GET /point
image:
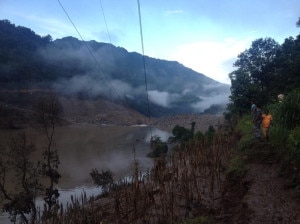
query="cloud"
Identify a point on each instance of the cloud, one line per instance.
(221, 99)
(164, 135)
(48, 25)
(93, 86)
(173, 12)
(159, 98)
(211, 58)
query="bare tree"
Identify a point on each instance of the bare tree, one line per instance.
(15, 162)
(48, 112)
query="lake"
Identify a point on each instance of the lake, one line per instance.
(82, 148)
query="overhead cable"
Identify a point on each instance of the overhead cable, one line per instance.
(105, 22)
(88, 48)
(144, 62)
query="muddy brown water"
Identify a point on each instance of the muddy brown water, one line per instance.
(82, 148)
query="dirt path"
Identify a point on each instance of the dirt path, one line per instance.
(267, 198)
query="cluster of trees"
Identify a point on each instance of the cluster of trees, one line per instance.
(20, 64)
(31, 179)
(264, 71)
(184, 136)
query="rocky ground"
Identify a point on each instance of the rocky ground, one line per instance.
(104, 112)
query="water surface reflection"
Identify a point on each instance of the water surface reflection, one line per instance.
(82, 148)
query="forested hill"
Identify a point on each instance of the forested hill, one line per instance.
(91, 70)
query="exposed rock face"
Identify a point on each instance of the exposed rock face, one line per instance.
(104, 112)
(100, 111)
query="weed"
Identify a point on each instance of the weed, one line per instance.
(237, 167)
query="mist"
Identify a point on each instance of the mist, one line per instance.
(114, 73)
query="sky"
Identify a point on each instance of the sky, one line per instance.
(204, 35)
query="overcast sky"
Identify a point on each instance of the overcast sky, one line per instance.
(205, 35)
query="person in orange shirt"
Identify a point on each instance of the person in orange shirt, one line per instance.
(266, 123)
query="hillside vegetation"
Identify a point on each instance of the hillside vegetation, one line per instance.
(91, 70)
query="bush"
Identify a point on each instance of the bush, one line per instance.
(103, 179)
(158, 147)
(181, 135)
(293, 142)
(288, 112)
(278, 135)
(244, 128)
(236, 167)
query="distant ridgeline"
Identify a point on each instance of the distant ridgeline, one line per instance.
(90, 70)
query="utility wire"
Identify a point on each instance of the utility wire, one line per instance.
(97, 62)
(90, 51)
(105, 21)
(144, 64)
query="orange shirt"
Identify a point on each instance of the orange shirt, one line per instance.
(266, 120)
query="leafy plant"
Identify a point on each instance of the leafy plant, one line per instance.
(244, 128)
(181, 135)
(103, 179)
(293, 142)
(288, 112)
(237, 167)
(209, 134)
(158, 147)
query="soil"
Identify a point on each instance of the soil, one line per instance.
(262, 195)
(267, 199)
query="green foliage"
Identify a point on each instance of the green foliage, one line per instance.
(236, 167)
(293, 142)
(158, 147)
(242, 91)
(286, 72)
(103, 179)
(288, 112)
(244, 127)
(181, 135)
(209, 134)
(19, 60)
(199, 135)
(278, 135)
(264, 70)
(251, 81)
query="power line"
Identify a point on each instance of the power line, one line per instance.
(97, 62)
(105, 21)
(90, 51)
(144, 63)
